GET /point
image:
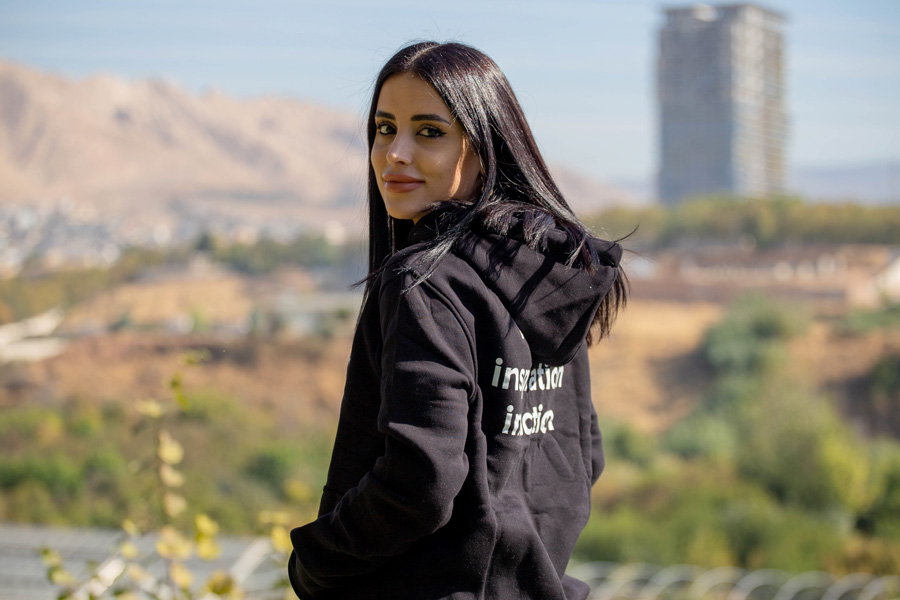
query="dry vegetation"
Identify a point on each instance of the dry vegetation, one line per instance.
(649, 373)
(294, 380)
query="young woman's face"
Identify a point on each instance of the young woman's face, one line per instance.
(421, 156)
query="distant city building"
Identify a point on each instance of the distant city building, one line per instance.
(722, 118)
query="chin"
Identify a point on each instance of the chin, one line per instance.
(406, 214)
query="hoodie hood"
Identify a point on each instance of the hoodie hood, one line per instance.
(552, 304)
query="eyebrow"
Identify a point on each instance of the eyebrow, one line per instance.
(425, 117)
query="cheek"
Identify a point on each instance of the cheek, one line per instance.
(450, 166)
(377, 163)
(444, 167)
(376, 158)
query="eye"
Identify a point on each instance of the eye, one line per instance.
(430, 131)
(384, 129)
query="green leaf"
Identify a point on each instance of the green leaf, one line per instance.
(50, 557)
(196, 357)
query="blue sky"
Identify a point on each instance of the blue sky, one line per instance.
(583, 69)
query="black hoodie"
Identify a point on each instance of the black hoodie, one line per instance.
(467, 442)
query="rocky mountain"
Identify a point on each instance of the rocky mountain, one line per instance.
(153, 149)
(149, 145)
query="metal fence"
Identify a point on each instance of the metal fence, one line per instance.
(23, 576)
(636, 581)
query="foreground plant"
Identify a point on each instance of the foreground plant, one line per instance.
(126, 574)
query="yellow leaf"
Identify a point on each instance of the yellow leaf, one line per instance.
(169, 450)
(149, 408)
(175, 382)
(171, 476)
(180, 575)
(50, 557)
(205, 525)
(174, 504)
(59, 576)
(195, 357)
(297, 490)
(208, 549)
(220, 583)
(138, 574)
(128, 550)
(182, 400)
(171, 544)
(281, 539)
(131, 528)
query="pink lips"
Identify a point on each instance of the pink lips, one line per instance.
(397, 182)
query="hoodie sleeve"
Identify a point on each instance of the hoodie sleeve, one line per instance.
(598, 462)
(428, 378)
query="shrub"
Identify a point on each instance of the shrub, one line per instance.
(57, 474)
(794, 444)
(21, 425)
(764, 535)
(703, 437)
(882, 516)
(104, 470)
(627, 443)
(860, 322)
(31, 502)
(748, 338)
(272, 465)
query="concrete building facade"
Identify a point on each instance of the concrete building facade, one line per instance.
(721, 97)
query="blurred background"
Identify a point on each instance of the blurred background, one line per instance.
(181, 221)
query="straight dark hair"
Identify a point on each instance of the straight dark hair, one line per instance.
(516, 184)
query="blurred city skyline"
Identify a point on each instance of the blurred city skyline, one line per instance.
(583, 70)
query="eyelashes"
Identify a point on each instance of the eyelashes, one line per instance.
(431, 131)
(427, 131)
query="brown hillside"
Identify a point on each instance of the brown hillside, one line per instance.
(110, 141)
(650, 372)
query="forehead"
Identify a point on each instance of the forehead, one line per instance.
(405, 94)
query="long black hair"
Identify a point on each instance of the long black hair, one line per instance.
(516, 184)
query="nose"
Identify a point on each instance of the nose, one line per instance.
(399, 152)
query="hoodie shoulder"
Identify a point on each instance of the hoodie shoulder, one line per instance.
(552, 302)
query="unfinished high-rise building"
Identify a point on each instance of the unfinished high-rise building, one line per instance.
(722, 117)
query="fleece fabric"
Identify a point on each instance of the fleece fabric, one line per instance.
(467, 442)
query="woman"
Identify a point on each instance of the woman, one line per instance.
(467, 441)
